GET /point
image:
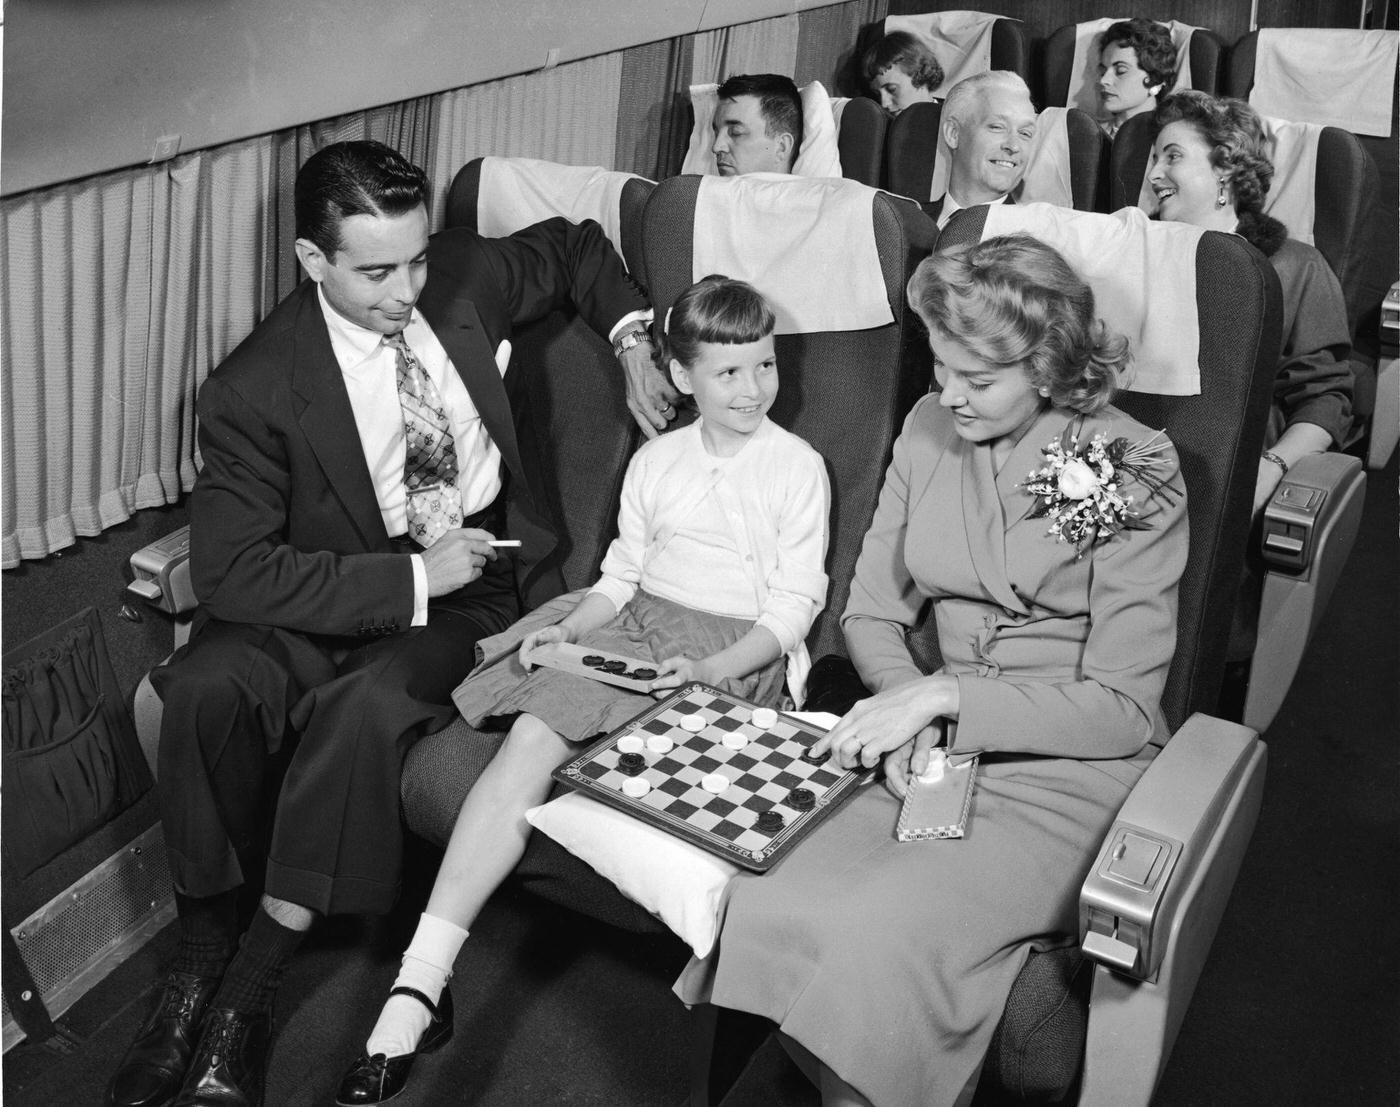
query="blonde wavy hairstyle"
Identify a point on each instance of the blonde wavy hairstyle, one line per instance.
(1013, 301)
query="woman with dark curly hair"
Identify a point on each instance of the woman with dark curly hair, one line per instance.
(901, 70)
(1212, 169)
(1042, 532)
(1137, 63)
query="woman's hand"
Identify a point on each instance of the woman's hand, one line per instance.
(675, 671)
(888, 720)
(902, 765)
(559, 632)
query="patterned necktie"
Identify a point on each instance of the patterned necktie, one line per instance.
(430, 464)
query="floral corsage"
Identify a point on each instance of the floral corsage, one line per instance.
(1080, 487)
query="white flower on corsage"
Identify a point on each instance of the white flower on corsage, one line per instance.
(1079, 488)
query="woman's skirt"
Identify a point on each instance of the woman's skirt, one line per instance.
(649, 629)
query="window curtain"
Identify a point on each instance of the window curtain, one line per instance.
(122, 291)
(568, 115)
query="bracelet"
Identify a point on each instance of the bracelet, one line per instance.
(1269, 455)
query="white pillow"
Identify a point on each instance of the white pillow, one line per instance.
(680, 884)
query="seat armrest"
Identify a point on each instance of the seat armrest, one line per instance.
(161, 573)
(1165, 830)
(1310, 526)
(1318, 493)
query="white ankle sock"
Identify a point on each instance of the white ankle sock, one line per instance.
(427, 966)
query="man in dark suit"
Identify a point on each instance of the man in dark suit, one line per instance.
(359, 458)
(986, 128)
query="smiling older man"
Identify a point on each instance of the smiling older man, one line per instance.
(988, 124)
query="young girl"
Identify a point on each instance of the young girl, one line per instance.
(716, 574)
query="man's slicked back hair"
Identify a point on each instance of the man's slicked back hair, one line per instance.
(353, 178)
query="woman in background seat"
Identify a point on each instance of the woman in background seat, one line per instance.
(1137, 63)
(1211, 168)
(887, 964)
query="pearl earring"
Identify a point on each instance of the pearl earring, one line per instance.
(1220, 199)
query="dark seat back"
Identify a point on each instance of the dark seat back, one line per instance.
(845, 392)
(861, 140)
(569, 397)
(1206, 53)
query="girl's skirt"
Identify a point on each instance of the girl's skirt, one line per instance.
(649, 629)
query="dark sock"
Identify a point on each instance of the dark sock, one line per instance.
(251, 980)
(208, 933)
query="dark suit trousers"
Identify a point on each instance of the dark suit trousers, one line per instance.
(290, 746)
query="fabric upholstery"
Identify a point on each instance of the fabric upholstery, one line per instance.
(860, 137)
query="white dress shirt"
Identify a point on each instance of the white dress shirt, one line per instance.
(370, 371)
(950, 205)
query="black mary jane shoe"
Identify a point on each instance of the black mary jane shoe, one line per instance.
(379, 1078)
(154, 1067)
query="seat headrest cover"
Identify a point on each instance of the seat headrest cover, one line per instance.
(518, 192)
(1047, 178)
(807, 244)
(819, 156)
(1143, 275)
(1084, 74)
(1337, 78)
(1292, 198)
(961, 41)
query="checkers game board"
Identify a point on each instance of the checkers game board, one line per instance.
(697, 765)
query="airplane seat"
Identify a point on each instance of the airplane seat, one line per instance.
(1377, 266)
(1101, 1017)
(1071, 73)
(860, 140)
(1309, 530)
(912, 152)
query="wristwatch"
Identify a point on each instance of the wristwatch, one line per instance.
(629, 339)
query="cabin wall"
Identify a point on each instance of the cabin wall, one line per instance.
(91, 87)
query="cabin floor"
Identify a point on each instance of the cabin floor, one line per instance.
(1299, 1004)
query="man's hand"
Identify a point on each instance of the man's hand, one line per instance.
(650, 396)
(456, 559)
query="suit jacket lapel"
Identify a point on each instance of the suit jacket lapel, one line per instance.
(328, 421)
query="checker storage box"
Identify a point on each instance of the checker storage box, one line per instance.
(762, 811)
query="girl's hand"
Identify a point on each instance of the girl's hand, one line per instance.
(557, 633)
(888, 720)
(902, 765)
(675, 671)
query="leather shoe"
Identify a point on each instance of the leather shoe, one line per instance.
(230, 1063)
(154, 1067)
(375, 1079)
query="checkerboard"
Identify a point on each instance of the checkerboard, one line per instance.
(762, 776)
